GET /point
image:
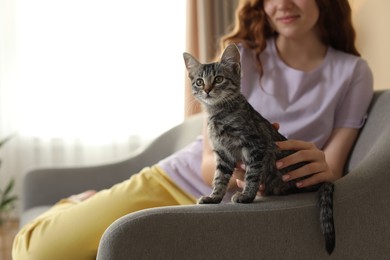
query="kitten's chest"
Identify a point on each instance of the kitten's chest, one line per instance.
(226, 133)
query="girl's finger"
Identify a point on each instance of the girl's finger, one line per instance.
(305, 170)
(295, 145)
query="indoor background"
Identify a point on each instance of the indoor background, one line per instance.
(87, 82)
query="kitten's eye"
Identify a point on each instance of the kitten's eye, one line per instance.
(218, 79)
(199, 82)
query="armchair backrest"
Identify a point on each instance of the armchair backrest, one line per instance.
(376, 127)
(171, 141)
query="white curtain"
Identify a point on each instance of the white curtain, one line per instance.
(87, 81)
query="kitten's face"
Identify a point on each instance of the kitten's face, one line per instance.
(217, 82)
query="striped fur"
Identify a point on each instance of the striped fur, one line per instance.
(239, 133)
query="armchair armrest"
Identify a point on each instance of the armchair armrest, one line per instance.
(224, 231)
(48, 185)
(42, 187)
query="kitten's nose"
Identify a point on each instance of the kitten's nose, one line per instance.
(207, 89)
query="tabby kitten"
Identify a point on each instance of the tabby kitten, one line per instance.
(239, 133)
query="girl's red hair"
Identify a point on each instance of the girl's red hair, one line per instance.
(252, 28)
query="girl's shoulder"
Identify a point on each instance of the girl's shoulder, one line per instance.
(342, 59)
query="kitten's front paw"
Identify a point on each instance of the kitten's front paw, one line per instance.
(242, 198)
(209, 200)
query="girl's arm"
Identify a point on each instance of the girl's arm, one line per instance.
(208, 159)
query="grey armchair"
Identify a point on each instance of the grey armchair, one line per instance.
(272, 228)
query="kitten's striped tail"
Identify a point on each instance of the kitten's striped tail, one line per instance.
(325, 201)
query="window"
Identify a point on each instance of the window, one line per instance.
(98, 68)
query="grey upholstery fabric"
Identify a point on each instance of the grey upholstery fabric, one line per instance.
(271, 228)
(44, 187)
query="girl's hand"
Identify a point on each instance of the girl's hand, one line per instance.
(241, 184)
(316, 165)
(82, 196)
(323, 166)
(240, 167)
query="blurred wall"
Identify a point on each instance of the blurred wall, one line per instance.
(372, 23)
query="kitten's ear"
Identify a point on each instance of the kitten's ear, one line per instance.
(190, 61)
(231, 57)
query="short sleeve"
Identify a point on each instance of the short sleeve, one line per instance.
(352, 108)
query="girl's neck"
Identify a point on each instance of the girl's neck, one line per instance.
(301, 54)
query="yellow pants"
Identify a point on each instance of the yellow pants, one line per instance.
(72, 230)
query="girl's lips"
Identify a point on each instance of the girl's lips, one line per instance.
(287, 19)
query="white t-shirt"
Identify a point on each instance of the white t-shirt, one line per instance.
(307, 105)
